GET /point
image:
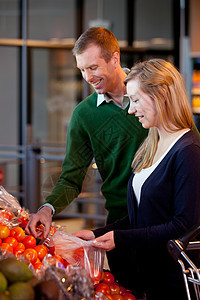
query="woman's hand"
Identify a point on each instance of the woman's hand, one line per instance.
(105, 241)
(86, 235)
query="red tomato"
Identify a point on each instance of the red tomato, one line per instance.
(115, 288)
(129, 296)
(7, 214)
(52, 250)
(23, 221)
(29, 241)
(117, 297)
(30, 254)
(0, 242)
(11, 241)
(122, 290)
(18, 233)
(96, 275)
(41, 251)
(103, 288)
(37, 265)
(78, 253)
(6, 246)
(4, 231)
(19, 249)
(108, 277)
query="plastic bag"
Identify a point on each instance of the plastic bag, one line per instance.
(80, 253)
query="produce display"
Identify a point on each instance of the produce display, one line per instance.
(60, 267)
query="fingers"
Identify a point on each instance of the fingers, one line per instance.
(43, 216)
(84, 235)
(105, 242)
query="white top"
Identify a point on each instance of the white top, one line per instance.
(139, 178)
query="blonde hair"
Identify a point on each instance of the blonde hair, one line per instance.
(163, 83)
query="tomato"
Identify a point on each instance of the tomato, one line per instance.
(78, 254)
(114, 287)
(19, 249)
(0, 242)
(122, 290)
(103, 288)
(7, 214)
(52, 230)
(37, 265)
(117, 297)
(41, 251)
(96, 275)
(18, 233)
(23, 221)
(129, 296)
(11, 241)
(4, 231)
(6, 246)
(108, 277)
(30, 254)
(40, 231)
(52, 250)
(29, 241)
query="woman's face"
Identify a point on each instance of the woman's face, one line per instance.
(141, 105)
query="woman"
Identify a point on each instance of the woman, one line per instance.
(164, 191)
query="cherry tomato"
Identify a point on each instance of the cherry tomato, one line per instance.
(41, 251)
(29, 241)
(115, 288)
(19, 249)
(18, 233)
(23, 221)
(96, 275)
(4, 231)
(6, 246)
(117, 297)
(122, 290)
(8, 215)
(129, 296)
(103, 288)
(108, 277)
(37, 265)
(52, 250)
(11, 241)
(30, 254)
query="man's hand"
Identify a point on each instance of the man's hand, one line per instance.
(86, 235)
(43, 216)
(105, 241)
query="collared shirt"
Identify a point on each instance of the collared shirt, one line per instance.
(103, 97)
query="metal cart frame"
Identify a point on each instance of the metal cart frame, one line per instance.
(177, 248)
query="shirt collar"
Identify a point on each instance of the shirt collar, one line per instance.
(102, 97)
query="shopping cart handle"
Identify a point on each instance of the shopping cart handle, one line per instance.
(189, 236)
(176, 246)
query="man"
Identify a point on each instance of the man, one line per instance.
(100, 127)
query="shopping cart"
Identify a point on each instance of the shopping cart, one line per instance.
(178, 248)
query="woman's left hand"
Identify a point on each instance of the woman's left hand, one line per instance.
(105, 241)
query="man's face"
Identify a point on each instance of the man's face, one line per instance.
(95, 70)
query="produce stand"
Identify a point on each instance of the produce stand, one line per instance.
(62, 266)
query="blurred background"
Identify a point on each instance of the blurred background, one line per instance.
(40, 85)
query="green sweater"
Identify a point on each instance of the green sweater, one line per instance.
(111, 136)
